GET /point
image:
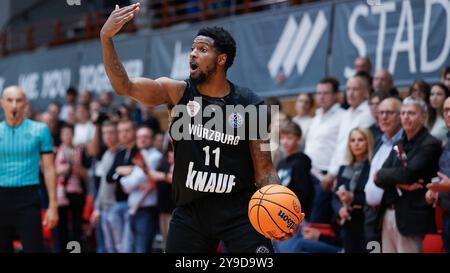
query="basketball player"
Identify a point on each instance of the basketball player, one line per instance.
(205, 215)
(23, 143)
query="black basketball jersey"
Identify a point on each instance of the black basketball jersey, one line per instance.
(213, 160)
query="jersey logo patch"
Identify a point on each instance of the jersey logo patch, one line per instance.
(192, 108)
(235, 120)
(262, 249)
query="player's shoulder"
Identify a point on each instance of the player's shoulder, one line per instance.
(175, 88)
(246, 96)
(170, 81)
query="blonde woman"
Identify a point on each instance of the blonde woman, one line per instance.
(349, 200)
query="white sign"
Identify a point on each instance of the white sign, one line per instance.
(404, 41)
(297, 45)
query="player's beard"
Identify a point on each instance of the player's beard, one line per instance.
(199, 79)
(203, 76)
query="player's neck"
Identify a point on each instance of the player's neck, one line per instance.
(216, 86)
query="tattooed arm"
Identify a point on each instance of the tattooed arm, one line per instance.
(265, 172)
(143, 90)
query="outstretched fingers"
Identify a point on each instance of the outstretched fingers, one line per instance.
(126, 18)
(125, 10)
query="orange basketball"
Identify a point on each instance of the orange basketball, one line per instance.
(273, 210)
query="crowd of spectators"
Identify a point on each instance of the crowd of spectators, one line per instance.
(377, 159)
(114, 170)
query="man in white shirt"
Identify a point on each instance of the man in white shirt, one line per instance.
(320, 143)
(390, 124)
(142, 199)
(71, 99)
(84, 128)
(358, 115)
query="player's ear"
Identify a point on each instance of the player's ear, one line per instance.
(222, 59)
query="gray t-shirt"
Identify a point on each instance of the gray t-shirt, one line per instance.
(105, 197)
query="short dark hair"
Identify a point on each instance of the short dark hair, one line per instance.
(292, 128)
(366, 78)
(54, 103)
(66, 125)
(72, 91)
(109, 123)
(271, 101)
(333, 81)
(380, 95)
(143, 126)
(85, 106)
(223, 42)
(127, 120)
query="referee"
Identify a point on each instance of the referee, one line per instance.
(23, 143)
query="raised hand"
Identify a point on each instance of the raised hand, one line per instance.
(118, 18)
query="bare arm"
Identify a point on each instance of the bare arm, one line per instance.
(51, 216)
(146, 91)
(157, 175)
(265, 172)
(93, 147)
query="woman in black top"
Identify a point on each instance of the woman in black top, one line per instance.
(348, 202)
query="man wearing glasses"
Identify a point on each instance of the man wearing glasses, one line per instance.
(388, 114)
(405, 215)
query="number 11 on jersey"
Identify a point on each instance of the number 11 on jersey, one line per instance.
(216, 153)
